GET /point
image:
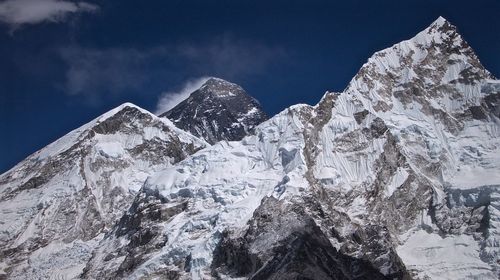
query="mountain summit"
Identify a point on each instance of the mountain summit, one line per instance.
(218, 110)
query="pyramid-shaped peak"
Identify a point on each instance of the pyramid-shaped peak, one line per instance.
(220, 87)
(440, 34)
(442, 26)
(123, 109)
(215, 80)
(440, 31)
(439, 47)
(440, 21)
(218, 110)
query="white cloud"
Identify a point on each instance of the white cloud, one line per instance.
(110, 71)
(169, 100)
(20, 12)
(97, 74)
(230, 57)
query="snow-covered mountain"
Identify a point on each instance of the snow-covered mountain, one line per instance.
(396, 177)
(218, 110)
(58, 203)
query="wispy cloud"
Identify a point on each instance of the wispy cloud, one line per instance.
(116, 70)
(94, 72)
(230, 57)
(170, 99)
(20, 12)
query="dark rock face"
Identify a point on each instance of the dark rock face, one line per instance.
(469, 212)
(284, 242)
(218, 110)
(140, 226)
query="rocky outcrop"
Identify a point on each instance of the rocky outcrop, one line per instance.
(284, 242)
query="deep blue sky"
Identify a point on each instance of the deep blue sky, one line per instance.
(56, 76)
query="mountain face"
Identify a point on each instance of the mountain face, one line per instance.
(218, 110)
(57, 203)
(396, 177)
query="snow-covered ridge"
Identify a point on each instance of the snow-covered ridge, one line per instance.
(72, 191)
(72, 137)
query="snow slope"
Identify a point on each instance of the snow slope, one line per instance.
(221, 186)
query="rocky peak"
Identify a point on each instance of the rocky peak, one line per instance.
(435, 64)
(443, 35)
(220, 88)
(441, 25)
(218, 110)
